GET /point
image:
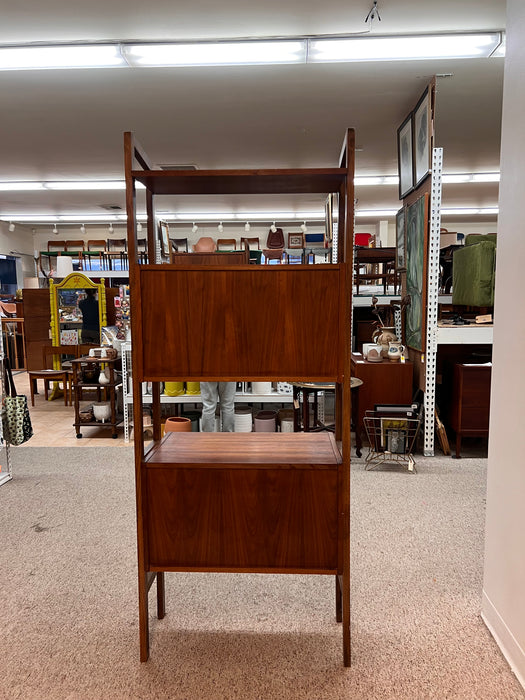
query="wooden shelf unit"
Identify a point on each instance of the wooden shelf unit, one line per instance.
(208, 502)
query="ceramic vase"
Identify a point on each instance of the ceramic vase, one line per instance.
(384, 335)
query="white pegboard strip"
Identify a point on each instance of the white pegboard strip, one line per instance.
(432, 300)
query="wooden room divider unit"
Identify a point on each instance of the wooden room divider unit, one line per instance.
(241, 502)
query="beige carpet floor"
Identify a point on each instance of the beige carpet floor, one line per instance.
(68, 596)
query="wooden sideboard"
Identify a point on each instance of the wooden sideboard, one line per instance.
(470, 407)
(383, 382)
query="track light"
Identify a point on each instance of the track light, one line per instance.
(110, 228)
(247, 227)
(55, 229)
(273, 227)
(304, 227)
(11, 226)
(82, 229)
(220, 227)
(139, 227)
(194, 228)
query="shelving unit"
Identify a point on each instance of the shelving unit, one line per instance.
(110, 388)
(147, 399)
(241, 502)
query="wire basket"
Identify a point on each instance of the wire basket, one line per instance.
(391, 439)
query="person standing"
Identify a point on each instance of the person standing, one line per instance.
(90, 320)
(224, 392)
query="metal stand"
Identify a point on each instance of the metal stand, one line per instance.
(5, 469)
(432, 303)
(391, 440)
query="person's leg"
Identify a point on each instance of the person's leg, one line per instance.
(209, 406)
(227, 403)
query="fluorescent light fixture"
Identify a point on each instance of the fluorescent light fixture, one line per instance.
(489, 211)
(57, 56)
(486, 177)
(20, 186)
(376, 212)
(86, 185)
(456, 179)
(403, 48)
(216, 54)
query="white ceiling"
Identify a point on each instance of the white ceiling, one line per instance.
(68, 124)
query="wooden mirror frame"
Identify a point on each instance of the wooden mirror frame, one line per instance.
(75, 280)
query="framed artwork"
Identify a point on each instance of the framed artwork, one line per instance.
(164, 235)
(329, 217)
(416, 266)
(404, 157)
(401, 263)
(295, 240)
(422, 138)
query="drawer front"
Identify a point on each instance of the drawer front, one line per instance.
(242, 518)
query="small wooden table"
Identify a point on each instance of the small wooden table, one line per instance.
(307, 388)
(49, 375)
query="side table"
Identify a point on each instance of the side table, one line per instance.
(304, 390)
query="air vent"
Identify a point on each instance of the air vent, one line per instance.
(111, 207)
(178, 166)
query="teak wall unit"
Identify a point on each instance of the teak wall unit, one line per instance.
(241, 502)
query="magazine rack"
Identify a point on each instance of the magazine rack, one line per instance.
(391, 439)
(241, 502)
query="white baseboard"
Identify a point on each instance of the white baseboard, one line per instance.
(506, 641)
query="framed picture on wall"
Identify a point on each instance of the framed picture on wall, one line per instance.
(295, 240)
(164, 235)
(416, 232)
(422, 138)
(400, 241)
(404, 157)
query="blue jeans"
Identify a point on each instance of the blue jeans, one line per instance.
(224, 392)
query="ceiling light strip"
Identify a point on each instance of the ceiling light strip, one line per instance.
(253, 52)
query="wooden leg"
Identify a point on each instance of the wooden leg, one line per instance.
(458, 445)
(161, 595)
(347, 656)
(338, 600)
(64, 384)
(32, 388)
(143, 616)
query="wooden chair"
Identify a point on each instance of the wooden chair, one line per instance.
(251, 241)
(55, 246)
(179, 245)
(226, 244)
(95, 248)
(76, 246)
(52, 375)
(273, 255)
(142, 250)
(117, 249)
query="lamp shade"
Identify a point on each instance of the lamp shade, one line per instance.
(64, 266)
(31, 283)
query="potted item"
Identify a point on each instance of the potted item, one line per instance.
(395, 350)
(383, 336)
(102, 411)
(177, 424)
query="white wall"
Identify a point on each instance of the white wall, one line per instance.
(503, 605)
(17, 243)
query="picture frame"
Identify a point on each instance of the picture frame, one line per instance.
(164, 236)
(416, 232)
(422, 138)
(329, 217)
(405, 157)
(401, 264)
(295, 240)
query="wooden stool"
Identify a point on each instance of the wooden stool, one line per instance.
(49, 375)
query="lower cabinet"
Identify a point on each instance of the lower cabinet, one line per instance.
(383, 382)
(470, 401)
